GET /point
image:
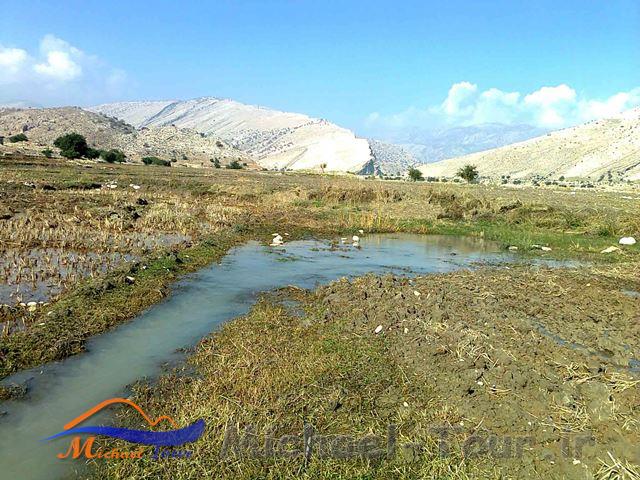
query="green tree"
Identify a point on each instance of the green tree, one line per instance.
(113, 156)
(93, 153)
(21, 137)
(156, 161)
(415, 175)
(216, 162)
(72, 145)
(468, 173)
(235, 165)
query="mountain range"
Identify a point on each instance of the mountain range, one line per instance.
(276, 140)
(600, 150)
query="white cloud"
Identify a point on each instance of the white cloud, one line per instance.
(57, 74)
(548, 107)
(60, 66)
(11, 62)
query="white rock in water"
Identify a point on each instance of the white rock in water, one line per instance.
(610, 249)
(361, 232)
(378, 329)
(355, 238)
(627, 241)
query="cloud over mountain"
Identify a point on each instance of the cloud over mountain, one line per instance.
(548, 107)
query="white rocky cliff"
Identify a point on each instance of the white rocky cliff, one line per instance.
(276, 140)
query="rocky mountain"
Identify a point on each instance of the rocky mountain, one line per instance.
(389, 159)
(434, 145)
(277, 140)
(601, 150)
(43, 126)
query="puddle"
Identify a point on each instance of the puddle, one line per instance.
(631, 293)
(202, 301)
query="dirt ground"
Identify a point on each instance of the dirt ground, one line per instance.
(534, 354)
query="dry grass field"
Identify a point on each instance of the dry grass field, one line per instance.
(94, 244)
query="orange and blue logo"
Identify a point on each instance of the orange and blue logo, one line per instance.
(167, 438)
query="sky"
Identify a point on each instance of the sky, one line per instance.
(367, 65)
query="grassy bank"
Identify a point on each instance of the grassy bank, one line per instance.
(463, 357)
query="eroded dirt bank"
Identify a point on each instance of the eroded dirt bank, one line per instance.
(525, 369)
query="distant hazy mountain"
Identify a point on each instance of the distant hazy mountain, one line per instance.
(389, 159)
(274, 139)
(432, 146)
(599, 150)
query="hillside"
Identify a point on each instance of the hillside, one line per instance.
(43, 126)
(435, 145)
(277, 140)
(601, 150)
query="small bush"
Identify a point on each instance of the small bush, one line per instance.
(156, 161)
(235, 165)
(216, 162)
(47, 152)
(113, 156)
(93, 153)
(21, 137)
(72, 145)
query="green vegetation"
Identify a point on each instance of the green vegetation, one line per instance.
(468, 173)
(415, 175)
(72, 145)
(216, 162)
(156, 161)
(93, 153)
(20, 137)
(47, 152)
(234, 165)
(113, 156)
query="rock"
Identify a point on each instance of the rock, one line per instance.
(513, 248)
(610, 249)
(355, 238)
(545, 249)
(627, 241)
(277, 240)
(361, 232)
(378, 329)
(129, 280)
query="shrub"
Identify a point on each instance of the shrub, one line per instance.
(47, 152)
(21, 137)
(235, 165)
(93, 153)
(72, 145)
(415, 174)
(113, 156)
(468, 173)
(156, 161)
(216, 162)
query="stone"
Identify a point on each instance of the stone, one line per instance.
(627, 241)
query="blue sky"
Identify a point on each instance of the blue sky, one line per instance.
(368, 65)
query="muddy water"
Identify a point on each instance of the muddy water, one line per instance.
(59, 392)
